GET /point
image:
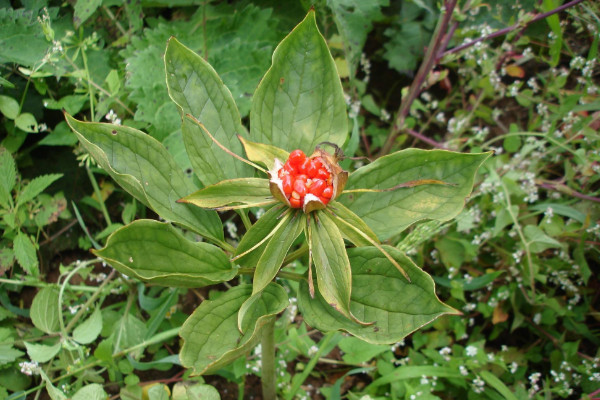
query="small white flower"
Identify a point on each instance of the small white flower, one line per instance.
(471, 351)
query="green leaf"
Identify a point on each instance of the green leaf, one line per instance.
(22, 39)
(143, 167)
(35, 187)
(84, 9)
(255, 235)
(354, 20)
(380, 294)
(72, 104)
(93, 391)
(264, 153)
(197, 90)
(299, 102)
(497, 384)
(415, 371)
(9, 107)
(88, 330)
(276, 250)
(202, 392)
(8, 354)
(61, 135)
(348, 233)
(44, 310)
(26, 122)
(42, 353)
(8, 176)
(389, 213)
(251, 192)
(25, 254)
(334, 278)
(357, 351)
(538, 240)
(156, 252)
(210, 334)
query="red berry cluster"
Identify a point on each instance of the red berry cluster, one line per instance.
(301, 175)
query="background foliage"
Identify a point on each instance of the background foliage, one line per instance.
(520, 262)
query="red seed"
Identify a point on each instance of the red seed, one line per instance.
(289, 169)
(296, 158)
(295, 203)
(313, 167)
(322, 173)
(324, 200)
(328, 192)
(317, 187)
(300, 187)
(286, 183)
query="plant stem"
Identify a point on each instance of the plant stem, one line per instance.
(269, 375)
(424, 69)
(92, 298)
(98, 195)
(89, 78)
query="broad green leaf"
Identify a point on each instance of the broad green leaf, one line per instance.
(334, 278)
(44, 310)
(252, 192)
(93, 391)
(255, 235)
(264, 153)
(299, 102)
(357, 351)
(354, 20)
(88, 330)
(83, 10)
(210, 334)
(8, 176)
(54, 392)
(26, 122)
(42, 352)
(202, 392)
(276, 250)
(22, 39)
(156, 252)
(35, 187)
(156, 391)
(389, 213)
(9, 107)
(143, 167)
(25, 254)
(61, 135)
(538, 240)
(347, 232)
(8, 354)
(380, 294)
(197, 90)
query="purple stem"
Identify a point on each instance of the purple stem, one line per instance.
(511, 28)
(567, 190)
(425, 139)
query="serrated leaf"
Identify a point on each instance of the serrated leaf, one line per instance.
(255, 235)
(143, 167)
(389, 213)
(9, 107)
(26, 254)
(22, 39)
(210, 334)
(36, 186)
(42, 353)
(299, 102)
(334, 278)
(88, 330)
(93, 391)
(156, 252)
(8, 176)
(44, 310)
(197, 90)
(83, 10)
(380, 294)
(264, 153)
(354, 20)
(252, 192)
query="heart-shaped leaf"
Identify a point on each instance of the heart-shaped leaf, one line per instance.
(197, 90)
(156, 252)
(143, 167)
(380, 294)
(210, 334)
(389, 213)
(299, 102)
(243, 192)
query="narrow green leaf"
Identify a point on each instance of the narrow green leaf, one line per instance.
(156, 252)
(276, 250)
(35, 187)
(143, 167)
(299, 102)
(88, 330)
(380, 294)
(255, 234)
(497, 384)
(25, 254)
(93, 391)
(344, 213)
(334, 278)
(390, 212)
(8, 175)
(42, 353)
(44, 310)
(251, 192)
(417, 371)
(210, 334)
(197, 90)
(264, 153)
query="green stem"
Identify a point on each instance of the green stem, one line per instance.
(75, 288)
(294, 255)
(269, 375)
(299, 379)
(281, 274)
(93, 298)
(89, 79)
(245, 220)
(98, 195)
